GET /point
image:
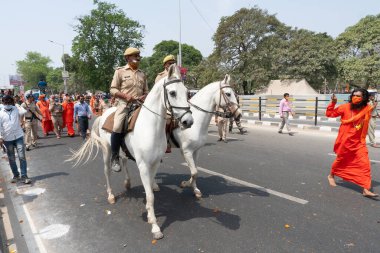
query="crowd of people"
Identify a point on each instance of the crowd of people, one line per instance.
(21, 116)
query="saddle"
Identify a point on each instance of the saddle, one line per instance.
(132, 117)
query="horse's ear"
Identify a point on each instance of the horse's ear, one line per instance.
(227, 79)
(174, 71)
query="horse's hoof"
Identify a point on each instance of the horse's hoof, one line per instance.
(183, 184)
(156, 188)
(111, 200)
(127, 185)
(158, 235)
(198, 195)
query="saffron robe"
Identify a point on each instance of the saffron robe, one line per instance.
(352, 162)
(46, 123)
(68, 117)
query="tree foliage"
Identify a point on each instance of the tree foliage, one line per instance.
(359, 52)
(33, 68)
(153, 65)
(238, 43)
(99, 46)
(308, 55)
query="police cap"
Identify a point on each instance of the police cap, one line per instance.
(169, 57)
(131, 51)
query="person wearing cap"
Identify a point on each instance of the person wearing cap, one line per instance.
(46, 122)
(30, 121)
(56, 109)
(12, 137)
(168, 60)
(129, 85)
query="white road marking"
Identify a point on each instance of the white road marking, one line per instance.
(258, 187)
(54, 231)
(32, 239)
(31, 192)
(7, 227)
(372, 161)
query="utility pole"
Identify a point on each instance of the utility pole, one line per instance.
(65, 74)
(179, 57)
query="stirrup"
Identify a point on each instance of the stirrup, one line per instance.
(115, 164)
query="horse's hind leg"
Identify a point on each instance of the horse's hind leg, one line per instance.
(107, 164)
(146, 178)
(127, 180)
(192, 182)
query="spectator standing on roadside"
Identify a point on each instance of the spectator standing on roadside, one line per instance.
(82, 114)
(372, 122)
(285, 109)
(352, 162)
(12, 137)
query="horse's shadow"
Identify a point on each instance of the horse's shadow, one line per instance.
(181, 204)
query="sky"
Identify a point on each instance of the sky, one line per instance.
(28, 25)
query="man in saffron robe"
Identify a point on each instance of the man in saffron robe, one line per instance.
(68, 115)
(352, 161)
(46, 122)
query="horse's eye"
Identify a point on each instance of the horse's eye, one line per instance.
(172, 93)
(228, 94)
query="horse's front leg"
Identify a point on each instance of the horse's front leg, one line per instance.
(107, 165)
(146, 179)
(192, 182)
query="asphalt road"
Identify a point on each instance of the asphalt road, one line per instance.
(271, 195)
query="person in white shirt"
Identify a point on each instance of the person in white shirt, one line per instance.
(12, 137)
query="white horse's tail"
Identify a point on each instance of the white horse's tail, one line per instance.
(83, 154)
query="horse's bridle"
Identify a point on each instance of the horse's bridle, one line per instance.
(170, 107)
(229, 104)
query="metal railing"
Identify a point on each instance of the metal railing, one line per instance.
(313, 107)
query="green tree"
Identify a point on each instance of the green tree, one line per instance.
(99, 46)
(238, 40)
(153, 65)
(33, 68)
(308, 55)
(359, 52)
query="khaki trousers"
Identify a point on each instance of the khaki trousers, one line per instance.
(57, 123)
(30, 132)
(222, 127)
(120, 115)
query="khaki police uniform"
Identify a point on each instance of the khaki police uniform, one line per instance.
(31, 123)
(128, 81)
(56, 110)
(222, 126)
(161, 75)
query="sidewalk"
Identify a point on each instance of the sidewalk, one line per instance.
(324, 123)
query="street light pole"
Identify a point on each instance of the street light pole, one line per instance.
(65, 75)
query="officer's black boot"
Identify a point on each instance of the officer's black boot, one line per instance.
(116, 139)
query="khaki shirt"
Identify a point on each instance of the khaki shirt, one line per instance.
(56, 109)
(32, 107)
(128, 81)
(161, 75)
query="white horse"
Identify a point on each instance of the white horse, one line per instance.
(147, 142)
(203, 105)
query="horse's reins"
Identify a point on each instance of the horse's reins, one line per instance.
(226, 99)
(167, 102)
